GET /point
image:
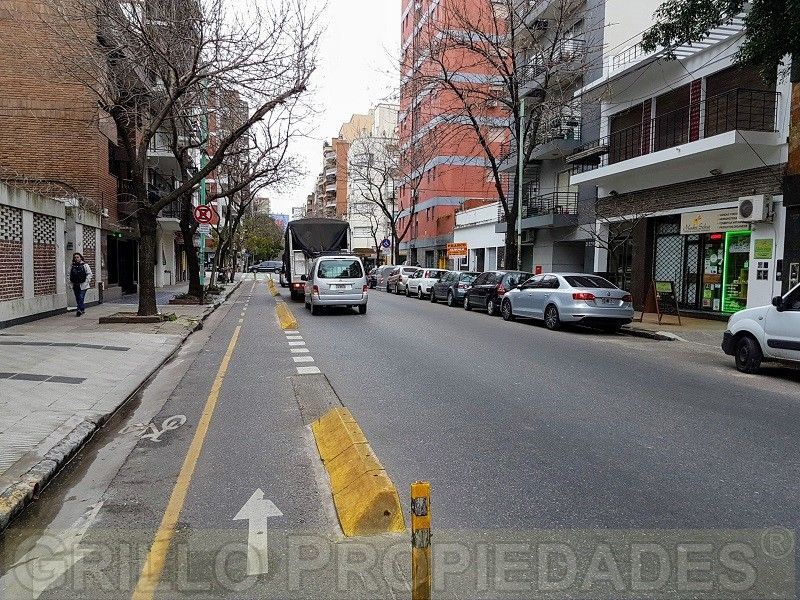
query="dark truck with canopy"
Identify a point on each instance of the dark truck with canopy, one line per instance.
(305, 239)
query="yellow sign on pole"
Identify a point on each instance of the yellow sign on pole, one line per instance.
(457, 250)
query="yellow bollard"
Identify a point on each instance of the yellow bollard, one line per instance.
(420, 540)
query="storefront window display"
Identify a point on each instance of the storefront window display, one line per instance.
(737, 271)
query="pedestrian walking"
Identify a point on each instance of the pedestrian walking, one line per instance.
(80, 275)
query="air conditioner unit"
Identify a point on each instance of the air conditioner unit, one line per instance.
(753, 209)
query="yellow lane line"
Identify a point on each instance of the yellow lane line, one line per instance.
(157, 556)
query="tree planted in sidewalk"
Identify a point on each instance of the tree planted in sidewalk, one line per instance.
(144, 61)
(262, 237)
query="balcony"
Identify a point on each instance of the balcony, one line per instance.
(560, 138)
(567, 60)
(556, 209)
(721, 132)
(330, 188)
(542, 11)
(330, 171)
(171, 211)
(126, 198)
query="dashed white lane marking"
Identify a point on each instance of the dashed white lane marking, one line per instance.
(291, 332)
(308, 370)
(241, 320)
(297, 343)
(294, 337)
(299, 350)
(303, 359)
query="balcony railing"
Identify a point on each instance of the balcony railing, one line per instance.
(171, 210)
(739, 109)
(554, 203)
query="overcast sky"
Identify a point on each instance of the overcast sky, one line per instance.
(356, 70)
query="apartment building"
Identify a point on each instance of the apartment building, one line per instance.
(371, 183)
(57, 143)
(442, 163)
(689, 169)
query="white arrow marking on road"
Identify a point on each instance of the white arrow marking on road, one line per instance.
(49, 560)
(257, 511)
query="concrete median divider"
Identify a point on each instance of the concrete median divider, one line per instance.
(273, 289)
(286, 319)
(366, 500)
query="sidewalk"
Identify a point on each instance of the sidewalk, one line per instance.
(63, 377)
(163, 295)
(707, 332)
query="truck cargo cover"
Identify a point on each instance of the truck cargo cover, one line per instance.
(318, 235)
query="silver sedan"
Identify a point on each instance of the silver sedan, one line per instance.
(558, 298)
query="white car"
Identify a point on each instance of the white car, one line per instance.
(420, 283)
(765, 333)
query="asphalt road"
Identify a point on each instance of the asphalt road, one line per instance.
(574, 438)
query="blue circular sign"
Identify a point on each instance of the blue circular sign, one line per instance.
(386, 243)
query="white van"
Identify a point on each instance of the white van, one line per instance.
(765, 333)
(336, 280)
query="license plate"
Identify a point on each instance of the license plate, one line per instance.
(607, 300)
(341, 286)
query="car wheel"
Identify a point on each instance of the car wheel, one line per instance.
(748, 355)
(397, 288)
(507, 311)
(491, 308)
(362, 309)
(433, 295)
(466, 303)
(408, 292)
(451, 301)
(551, 319)
(307, 303)
(419, 293)
(314, 309)
(387, 288)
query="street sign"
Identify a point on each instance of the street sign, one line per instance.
(204, 229)
(204, 214)
(386, 243)
(457, 250)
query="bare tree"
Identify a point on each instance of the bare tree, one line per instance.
(148, 61)
(370, 215)
(525, 68)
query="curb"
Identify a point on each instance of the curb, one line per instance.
(286, 318)
(18, 495)
(646, 333)
(365, 499)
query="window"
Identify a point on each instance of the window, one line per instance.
(792, 300)
(550, 282)
(481, 279)
(339, 269)
(434, 274)
(533, 282)
(362, 232)
(589, 281)
(467, 277)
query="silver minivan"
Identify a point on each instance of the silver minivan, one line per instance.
(336, 280)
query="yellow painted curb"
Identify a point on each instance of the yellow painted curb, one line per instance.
(365, 498)
(285, 316)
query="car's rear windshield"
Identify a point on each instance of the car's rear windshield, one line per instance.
(589, 281)
(408, 270)
(339, 269)
(468, 277)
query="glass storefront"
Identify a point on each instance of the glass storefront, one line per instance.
(710, 270)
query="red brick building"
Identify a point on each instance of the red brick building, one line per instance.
(55, 139)
(441, 159)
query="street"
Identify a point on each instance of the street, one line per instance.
(523, 433)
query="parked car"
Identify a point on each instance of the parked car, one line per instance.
(489, 287)
(372, 278)
(336, 280)
(422, 281)
(765, 333)
(452, 286)
(383, 275)
(267, 266)
(399, 279)
(557, 298)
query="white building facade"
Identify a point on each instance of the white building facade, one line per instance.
(688, 168)
(370, 183)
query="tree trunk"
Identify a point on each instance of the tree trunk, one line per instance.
(148, 227)
(192, 257)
